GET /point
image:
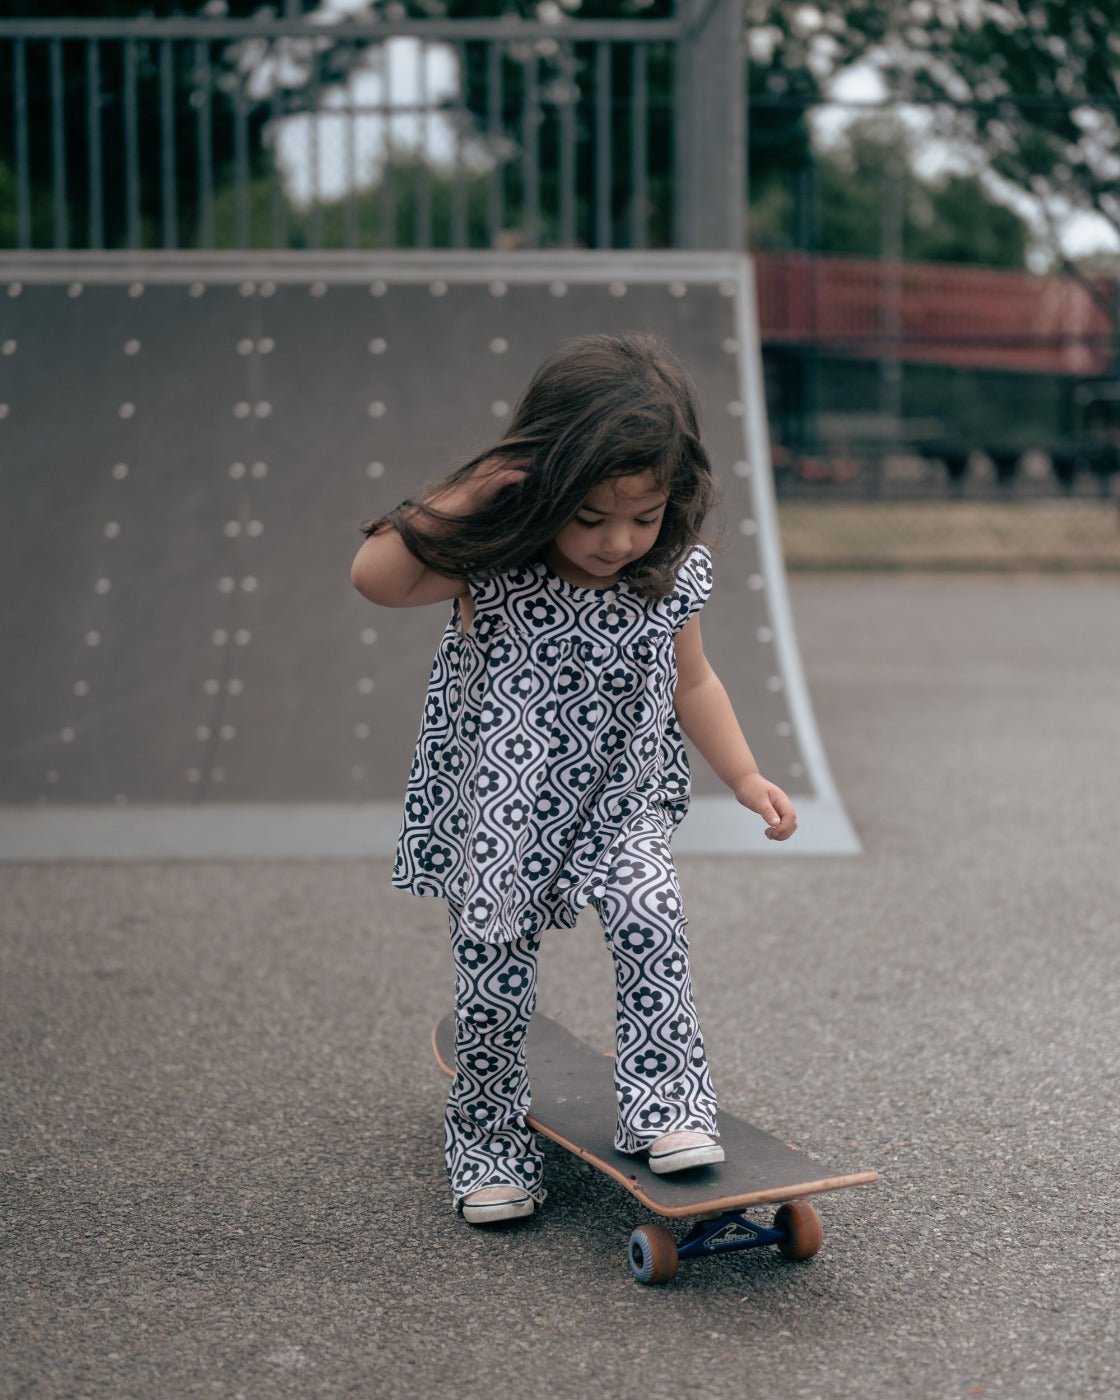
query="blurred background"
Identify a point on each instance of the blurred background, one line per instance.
(931, 197)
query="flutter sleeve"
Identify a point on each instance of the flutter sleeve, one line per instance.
(694, 584)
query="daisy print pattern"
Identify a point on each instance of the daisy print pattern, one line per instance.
(547, 731)
(661, 1078)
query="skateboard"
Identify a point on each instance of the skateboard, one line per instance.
(574, 1106)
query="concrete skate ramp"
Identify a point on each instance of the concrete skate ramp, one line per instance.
(186, 449)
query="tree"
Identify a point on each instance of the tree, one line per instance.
(231, 86)
(793, 51)
(1033, 84)
(952, 218)
(565, 77)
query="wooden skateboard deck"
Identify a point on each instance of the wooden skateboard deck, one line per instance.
(574, 1105)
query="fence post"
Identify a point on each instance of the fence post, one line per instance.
(710, 127)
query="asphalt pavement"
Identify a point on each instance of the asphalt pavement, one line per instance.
(221, 1165)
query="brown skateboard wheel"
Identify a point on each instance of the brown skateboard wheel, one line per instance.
(802, 1226)
(653, 1254)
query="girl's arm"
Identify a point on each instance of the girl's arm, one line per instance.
(385, 571)
(705, 715)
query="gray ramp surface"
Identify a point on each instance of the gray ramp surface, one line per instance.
(188, 446)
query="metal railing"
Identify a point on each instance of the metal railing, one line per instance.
(281, 133)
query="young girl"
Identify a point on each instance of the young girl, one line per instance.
(550, 771)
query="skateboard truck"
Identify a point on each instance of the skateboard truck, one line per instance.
(654, 1253)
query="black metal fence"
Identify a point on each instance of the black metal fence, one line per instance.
(287, 133)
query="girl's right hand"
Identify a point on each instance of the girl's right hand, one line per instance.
(480, 488)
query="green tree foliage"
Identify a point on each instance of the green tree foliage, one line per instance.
(236, 98)
(565, 76)
(792, 51)
(857, 182)
(956, 220)
(1033, 84)
(249, 208)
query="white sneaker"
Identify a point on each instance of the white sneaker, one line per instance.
(491, 1203)
(676, 1151)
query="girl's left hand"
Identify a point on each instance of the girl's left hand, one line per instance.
(771, 803)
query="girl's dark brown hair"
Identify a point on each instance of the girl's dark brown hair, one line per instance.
(598, 406)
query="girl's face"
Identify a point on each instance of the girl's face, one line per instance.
(616, 524)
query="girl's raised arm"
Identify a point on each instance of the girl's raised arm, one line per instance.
(386, 572)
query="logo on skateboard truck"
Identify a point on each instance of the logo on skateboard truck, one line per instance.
(734, 1232)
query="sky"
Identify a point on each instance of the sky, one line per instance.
(405, 70)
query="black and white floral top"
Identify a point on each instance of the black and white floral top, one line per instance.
(546, 730)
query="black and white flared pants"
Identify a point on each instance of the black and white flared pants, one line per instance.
(661, 1074)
